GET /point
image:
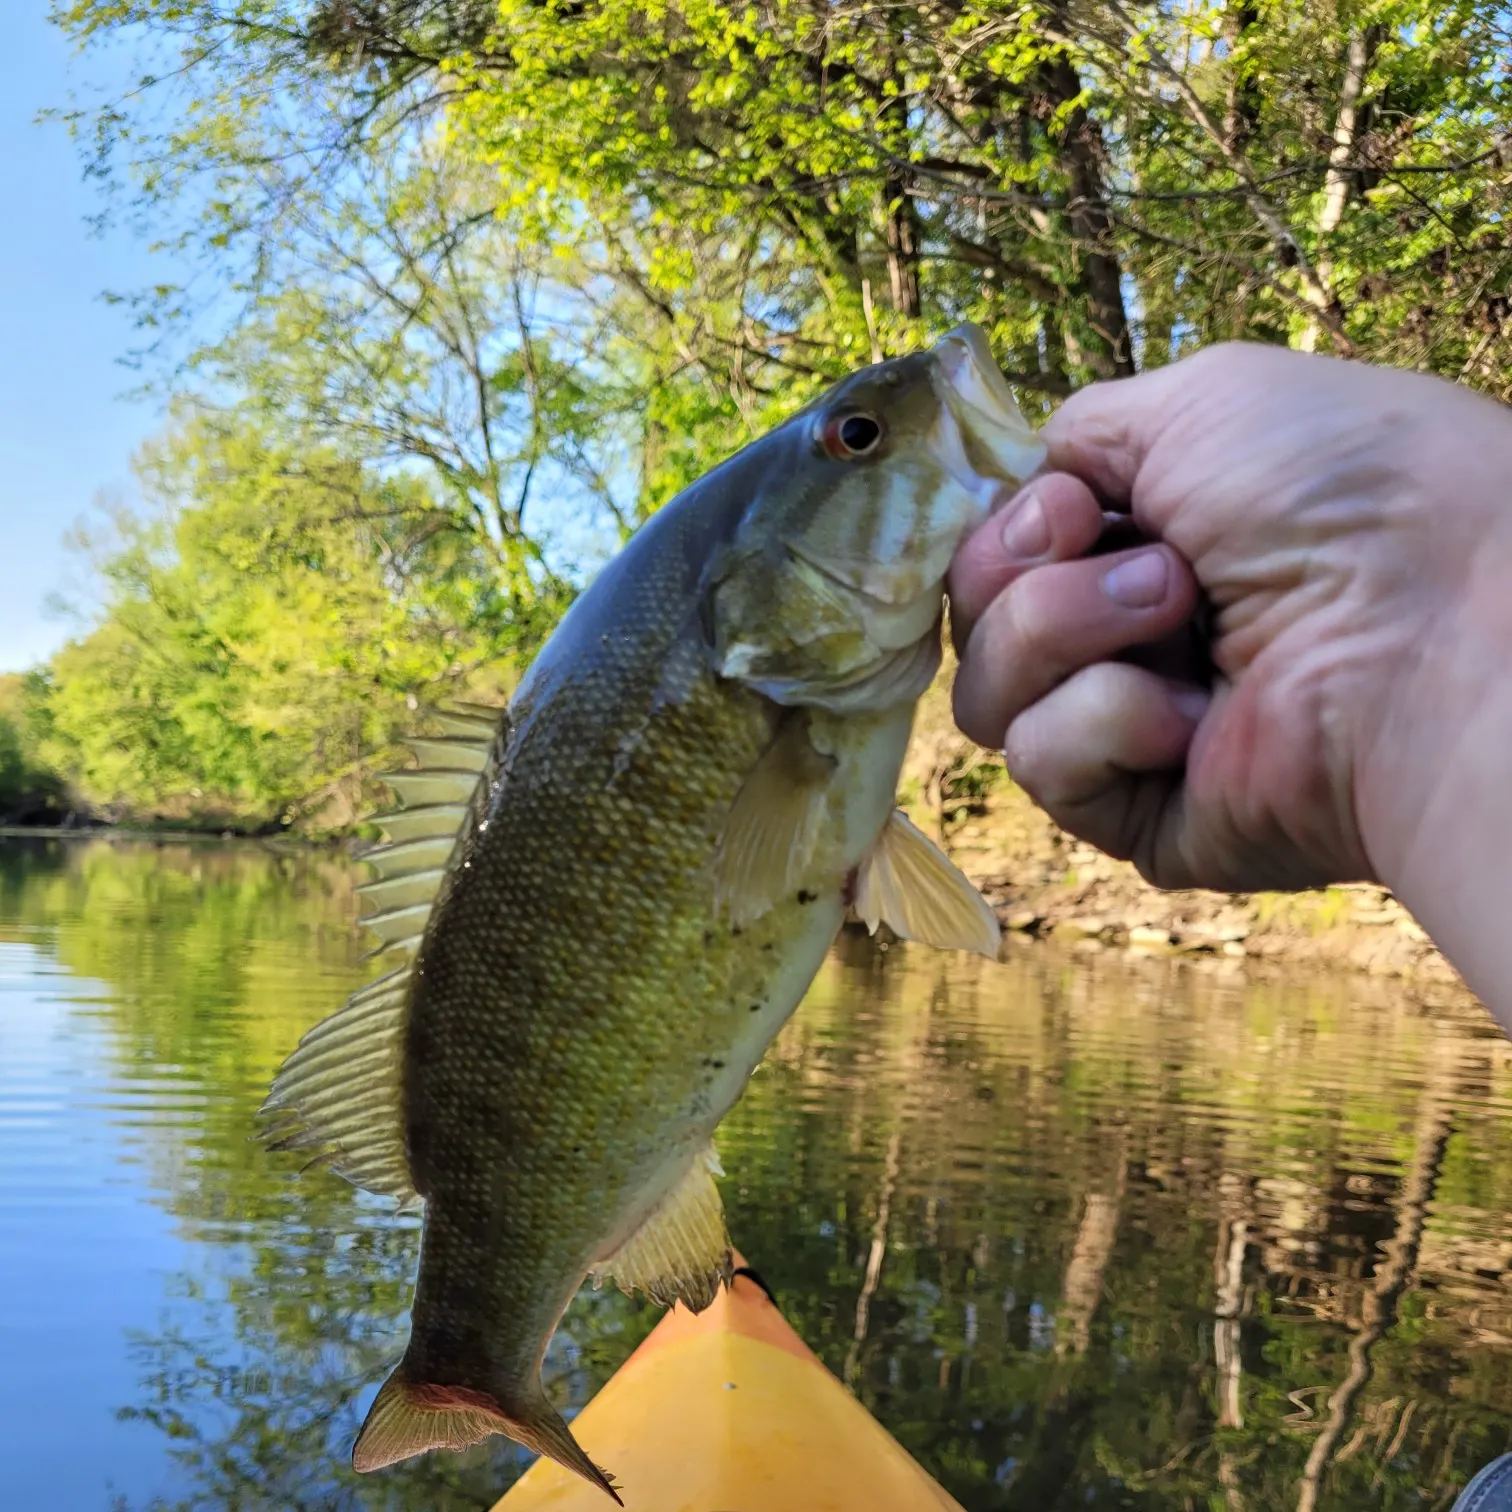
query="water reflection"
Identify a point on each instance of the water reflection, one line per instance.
(1081, 1232)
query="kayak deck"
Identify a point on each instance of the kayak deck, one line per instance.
(730, 1411)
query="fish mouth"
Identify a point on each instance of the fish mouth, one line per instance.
(973, 388)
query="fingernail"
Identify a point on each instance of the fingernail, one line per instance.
(1138, 583)
(1026, 532)
(1193, 702)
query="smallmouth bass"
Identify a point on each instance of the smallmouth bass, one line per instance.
(608, 899)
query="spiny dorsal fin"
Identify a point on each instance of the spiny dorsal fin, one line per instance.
(435, 821)
(441, 798)
(453, 752)
(338, 1094)
(405, 856)
(912, 886)
(682, 1251)
(772, 825)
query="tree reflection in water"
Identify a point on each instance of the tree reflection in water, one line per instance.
(1081, 1232)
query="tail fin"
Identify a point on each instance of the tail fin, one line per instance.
(408, 1418)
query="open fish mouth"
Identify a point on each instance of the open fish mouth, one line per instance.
(972, 386)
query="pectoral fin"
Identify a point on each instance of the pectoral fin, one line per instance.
(682, 1251)
(912, 886)
(773, 824)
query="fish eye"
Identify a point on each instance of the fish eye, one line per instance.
(851, 435)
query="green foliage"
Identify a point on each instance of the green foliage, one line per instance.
(757, 197)
(552, 262)
(269, 628)
(31, 792)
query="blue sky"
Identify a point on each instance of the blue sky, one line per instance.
(66, 432)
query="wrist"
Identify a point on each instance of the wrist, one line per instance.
(1453, 867)
(1434, 793)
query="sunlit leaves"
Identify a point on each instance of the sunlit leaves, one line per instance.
(267, 634)
(558, 260)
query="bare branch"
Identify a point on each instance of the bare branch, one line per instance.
(1315, 292)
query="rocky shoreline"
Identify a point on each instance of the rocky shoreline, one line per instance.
(1043, 884)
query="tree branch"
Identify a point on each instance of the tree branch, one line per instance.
(1315, 292)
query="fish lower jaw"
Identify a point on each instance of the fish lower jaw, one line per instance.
(989, 493)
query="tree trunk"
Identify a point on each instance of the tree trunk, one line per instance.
(1337, 183)
(901, 223)
(1229, 1264)
(874, 1257)
(1091, 1251)
(1080, 149)
(1242, 108)
(1395, 1269)
(901, 231)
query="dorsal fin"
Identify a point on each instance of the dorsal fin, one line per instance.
(338, 1094)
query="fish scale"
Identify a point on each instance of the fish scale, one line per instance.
(654, 847)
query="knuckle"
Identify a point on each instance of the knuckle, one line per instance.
(1023, 756)
(1102, 696)
(1025, 628)
(1229, 363)
(1223, 357)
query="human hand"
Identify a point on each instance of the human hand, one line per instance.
(1352, 530)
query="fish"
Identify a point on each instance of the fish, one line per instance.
(606, 899)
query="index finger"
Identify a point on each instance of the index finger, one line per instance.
(1052, 519)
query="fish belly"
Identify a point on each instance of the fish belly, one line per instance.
(564, 1084)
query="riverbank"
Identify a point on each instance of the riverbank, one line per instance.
(1043, 883)
(176, 834)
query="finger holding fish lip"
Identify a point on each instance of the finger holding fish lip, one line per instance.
(1053, 519)
(1059, 618)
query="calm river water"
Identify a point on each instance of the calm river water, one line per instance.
(1081, 1232)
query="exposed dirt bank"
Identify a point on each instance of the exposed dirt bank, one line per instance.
(1044, 883)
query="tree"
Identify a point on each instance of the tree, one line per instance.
(30, 791)
(550, 262)
(269, 628)
(1102, 185)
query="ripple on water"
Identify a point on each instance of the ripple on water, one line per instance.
(1081, 1231)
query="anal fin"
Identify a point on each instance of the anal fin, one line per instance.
(682, 1250)
(912, 886)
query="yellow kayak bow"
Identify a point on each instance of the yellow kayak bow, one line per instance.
(730, 1411)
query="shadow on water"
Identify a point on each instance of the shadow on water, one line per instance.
(1081, 1232)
